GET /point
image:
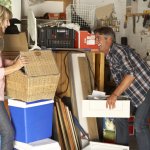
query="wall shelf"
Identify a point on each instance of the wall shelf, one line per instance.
(137, 14)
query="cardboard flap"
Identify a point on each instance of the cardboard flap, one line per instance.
(15, 42)
(41, 63)
(104, 11)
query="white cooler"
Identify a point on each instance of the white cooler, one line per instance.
(45, 144)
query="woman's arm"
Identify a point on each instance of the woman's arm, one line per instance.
(18, 64)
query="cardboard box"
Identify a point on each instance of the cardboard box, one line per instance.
(105, 146)
(97, 108)
(37, 80)
(45, 144)
(53, 16)
(85, 40)
(15, 42)
(10, 54)
(32, 121)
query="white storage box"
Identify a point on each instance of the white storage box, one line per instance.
(97, 108)
(105, 146)
(45, 144)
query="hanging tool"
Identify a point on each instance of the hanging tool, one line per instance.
(146, 22)
(134, 23)
(149, 4)
(125, 22)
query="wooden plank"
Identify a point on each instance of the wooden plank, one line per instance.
(137, 14)
(76, 88)
(99, 84)
(87, 87)
(63, 88)
(102, 65)
(67, 125)
(58, 129)
(75, 136)
(64, 134)
(99, 71)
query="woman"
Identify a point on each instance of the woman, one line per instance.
(6, 67)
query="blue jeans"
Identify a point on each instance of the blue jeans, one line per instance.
(6, 129)
(141, 125)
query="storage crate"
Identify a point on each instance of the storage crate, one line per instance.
(39, 79)
(32, 121)
(56, 37)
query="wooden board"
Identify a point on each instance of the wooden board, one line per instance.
(63, 88)
(87, 86)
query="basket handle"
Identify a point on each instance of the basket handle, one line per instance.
(37, 53)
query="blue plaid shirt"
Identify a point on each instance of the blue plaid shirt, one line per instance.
(125, 61)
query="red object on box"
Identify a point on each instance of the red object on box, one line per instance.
(131, 130)
(86, 40)
(53, 15)
(131, 125)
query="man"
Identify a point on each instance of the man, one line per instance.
(132, 77)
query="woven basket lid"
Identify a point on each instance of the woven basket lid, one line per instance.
(41, 63)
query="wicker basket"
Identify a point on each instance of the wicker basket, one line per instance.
(39, 79)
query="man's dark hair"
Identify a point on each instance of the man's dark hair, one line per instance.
(106, 31)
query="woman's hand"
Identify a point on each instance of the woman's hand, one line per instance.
(21, 62)
(18, 64)
(111, 101)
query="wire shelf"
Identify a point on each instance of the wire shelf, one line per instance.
(82, 14)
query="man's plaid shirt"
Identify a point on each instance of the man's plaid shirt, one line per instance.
(125, 61)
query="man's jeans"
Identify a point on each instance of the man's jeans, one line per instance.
(6, 129)
(141, 125)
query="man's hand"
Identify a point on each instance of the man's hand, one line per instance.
(111, 101)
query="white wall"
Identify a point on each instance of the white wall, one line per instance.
(141, 43)
(16, 10)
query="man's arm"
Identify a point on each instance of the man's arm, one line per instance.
(126, 82)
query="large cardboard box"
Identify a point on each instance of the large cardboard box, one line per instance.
(37, 80)
(85, 40)
(97, 108)
(32, 121)
(45, 144)
(15, 42)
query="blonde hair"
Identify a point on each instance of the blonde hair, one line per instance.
(5, 13)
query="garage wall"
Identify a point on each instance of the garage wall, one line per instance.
(141, 43)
